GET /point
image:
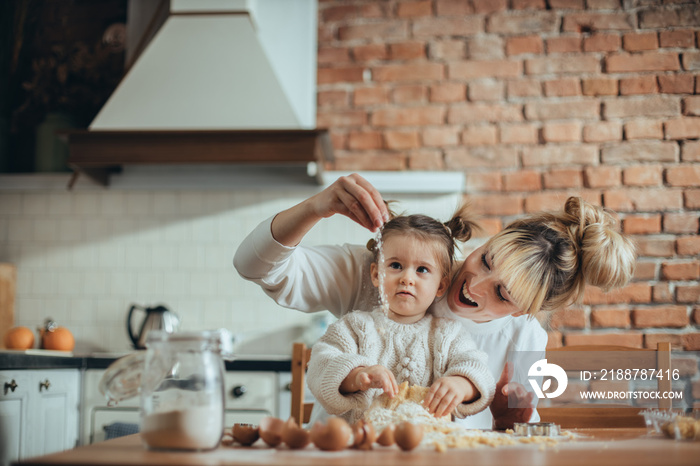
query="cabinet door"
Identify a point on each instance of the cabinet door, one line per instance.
(13, 413)
(55, 410)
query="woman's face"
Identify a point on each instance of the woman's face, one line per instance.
(477, 293)
(413, 277)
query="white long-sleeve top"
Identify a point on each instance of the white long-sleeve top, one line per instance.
(419, 353)
(337, 279)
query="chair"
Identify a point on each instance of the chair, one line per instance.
(572, 358)
(301, 412)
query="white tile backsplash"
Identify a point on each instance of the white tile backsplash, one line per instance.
(84, 257)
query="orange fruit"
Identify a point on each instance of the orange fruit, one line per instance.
(59, 339)
(19, 338)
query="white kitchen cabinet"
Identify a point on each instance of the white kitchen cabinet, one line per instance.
(39, 412)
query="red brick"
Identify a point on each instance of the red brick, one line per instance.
(523, 45)
(642, 224)
(444, 26)
(599, 86)
(640, 151)
(339, 140)
(407, 50)
(563, 178)
(568, 318)
(481, 157)
(486, 47)
(603, 4)
(332, 55)
(677, 39)
(484, 69)
(661, 293)
(409, 72)
(686, 222)
(632, 293)
(365, 140)
(688, 294)
(688, 245)
(524, 88)
(569, 131)
(441, 136)
(691, 61)
(497, 204)
(332, 98)
(651, 340)
(655, 246)
(529, 5)
(349, 74)
(525, 133)
(660, 316)
(397, 140)
(564, 64)
(490, 226)
(682, 128)
(373, 161)
(691, 341)
(680, 270)
(599, 21)
(488, 6)
(453, 8)
(562, 110)
(691, 106)
(448, 92)
(610, 317)
(655, 18)
(387, 30)
(677, 84)
(647, 61)
(562, 87)
(573, 154)
(409, 94)
(633, 340)
(696, 318)
(479, 136)
(341, 118)
(414, 9)
(522, 23)
(635, 42)
(484, 182)
(643, 175)
(522, 180)
(426, 159)
(369, 53)
(602, 131)
(692, 198)
(644, 129)
(601, 176)
(447, 50)
(480, 112)
(408, 116)
(554, 338)
(601, 43)
(645, 271)
(643, 200)
(563, 44)
(638, 85)
(658, 106)
(486, 91)
(343, 12)
(546, 201)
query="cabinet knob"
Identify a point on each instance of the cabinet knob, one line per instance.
(238, 391)
(10, 386)
(44, 385)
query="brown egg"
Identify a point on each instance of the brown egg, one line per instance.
(295, 436)
(386, 438)
(245, 434)
(364, 435)
(334, 435)
(271, 430)
(408, 435)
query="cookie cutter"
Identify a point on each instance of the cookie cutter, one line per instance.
(536, 429)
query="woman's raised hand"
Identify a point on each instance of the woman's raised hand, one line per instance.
(354, 197)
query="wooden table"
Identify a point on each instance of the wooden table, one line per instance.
(600, 447)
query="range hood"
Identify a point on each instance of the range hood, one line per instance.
(211, 82)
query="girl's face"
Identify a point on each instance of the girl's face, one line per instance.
(477, 293)
(413, 277)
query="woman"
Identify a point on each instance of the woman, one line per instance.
(539, 263)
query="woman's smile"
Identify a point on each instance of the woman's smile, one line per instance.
(465, 297)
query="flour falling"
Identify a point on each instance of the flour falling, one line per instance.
(383, 302)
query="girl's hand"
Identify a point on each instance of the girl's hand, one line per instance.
(504, 416)
(448, 392)
(362, 379)
(354, 197)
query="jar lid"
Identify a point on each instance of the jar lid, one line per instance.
(122, 379)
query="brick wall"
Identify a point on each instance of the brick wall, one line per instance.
(535, 100)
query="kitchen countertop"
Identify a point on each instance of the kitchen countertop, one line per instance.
(601, 447)
(40, 359)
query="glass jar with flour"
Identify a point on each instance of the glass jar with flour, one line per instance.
(180, 380)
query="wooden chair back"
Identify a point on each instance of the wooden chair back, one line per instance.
(595, 358)
(301, 411)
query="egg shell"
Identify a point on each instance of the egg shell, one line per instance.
(271, 430)
(408, 435)
(334, 435)
(364, 435)
(245, 434)
(386, 438)
(294, 436)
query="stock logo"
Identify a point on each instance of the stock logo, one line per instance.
(547, 371)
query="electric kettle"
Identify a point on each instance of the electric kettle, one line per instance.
(157, 318)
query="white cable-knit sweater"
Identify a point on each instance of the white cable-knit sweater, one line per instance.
(419, 353)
